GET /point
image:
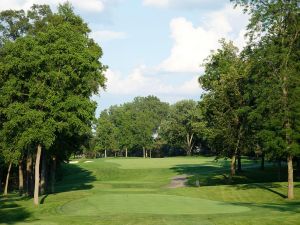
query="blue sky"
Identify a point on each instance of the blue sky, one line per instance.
(153, 46)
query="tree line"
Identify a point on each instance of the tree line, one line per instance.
(49, 69)
(147, 127)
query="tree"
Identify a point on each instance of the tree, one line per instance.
(179, 128)
(274, 31)
(106, 134)
(147, 114)
(49, 77)
(131, 126)
(224, 101)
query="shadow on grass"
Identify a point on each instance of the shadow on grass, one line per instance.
(11, 212)
(251, 177)
(282, 207)
(74, 178)
(266, 186)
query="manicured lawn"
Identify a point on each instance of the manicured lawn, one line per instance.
(135, 191)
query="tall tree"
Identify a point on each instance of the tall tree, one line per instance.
(50, 75)
(274, 31)
(224, 102)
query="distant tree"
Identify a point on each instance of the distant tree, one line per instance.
(147, 114)
(179, 129)
(106, 134)
(122, 120)
(131, 126)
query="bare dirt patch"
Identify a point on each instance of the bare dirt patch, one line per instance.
(178, 181)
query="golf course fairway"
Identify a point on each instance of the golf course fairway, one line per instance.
(137, 191)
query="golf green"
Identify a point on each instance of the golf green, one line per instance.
(148, 203)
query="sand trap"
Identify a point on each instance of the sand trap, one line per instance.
(88, 161)
(73, 162)
(178, 181)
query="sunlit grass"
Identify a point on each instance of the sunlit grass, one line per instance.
(134, 191)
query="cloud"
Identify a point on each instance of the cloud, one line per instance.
(107, 35)
(192, 44)
(86, 5)
(157, 3)
(138, 83)
(186, 4)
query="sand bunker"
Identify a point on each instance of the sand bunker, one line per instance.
(73, 162)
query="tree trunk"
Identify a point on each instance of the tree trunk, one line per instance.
(29, 175)
(37, 175)
(21, 178)
(105, 154)
(290, 177)
(279, 170)
(298, 168)
(233, 157)
(7, 179)
(189, 141)
(239, 160)
(144, 152)
(1, 175)
(262, 165)
(115, 154)
(53, 170)
(43, 174)
(126, 152)
(150, 153)
(232, 166)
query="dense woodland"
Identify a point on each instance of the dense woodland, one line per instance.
(50, 68)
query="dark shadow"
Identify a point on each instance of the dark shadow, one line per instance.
(74, 178)
(265, 186)
(11, 212)
(251, 176)
(293, 206)
(43, 199)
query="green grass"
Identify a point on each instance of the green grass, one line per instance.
(134, 191)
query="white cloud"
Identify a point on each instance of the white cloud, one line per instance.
(193, 44)
(157, 3)
(188, 4)
(137, 83)
(86, 5)
(107, 35)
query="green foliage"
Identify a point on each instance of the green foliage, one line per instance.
(273, 54)
(132, 125)
(49, 69)
(106, 134)
(223, 103)
(182, 125)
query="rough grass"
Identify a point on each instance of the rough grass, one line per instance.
(134, 191)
